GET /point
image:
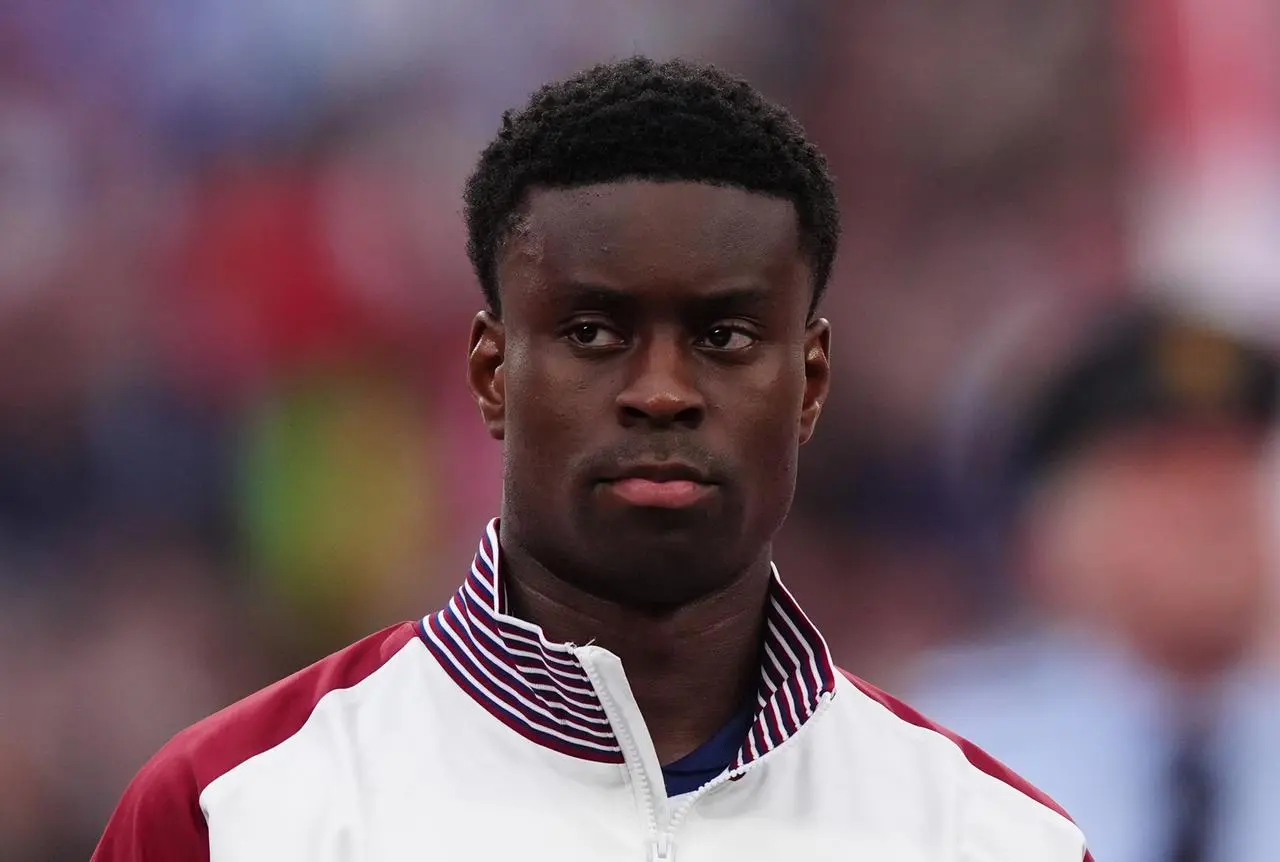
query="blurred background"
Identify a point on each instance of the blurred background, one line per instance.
(235, 434)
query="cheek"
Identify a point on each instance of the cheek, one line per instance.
(548, 407)
(778, 398)
(766, 418)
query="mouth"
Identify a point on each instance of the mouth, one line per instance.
(665, 485)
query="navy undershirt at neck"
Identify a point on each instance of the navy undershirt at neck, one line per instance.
(711, 758)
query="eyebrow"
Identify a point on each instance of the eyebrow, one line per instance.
(737, 298)
(584, 295)
(715, 300)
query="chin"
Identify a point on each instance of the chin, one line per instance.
(664, 584)
(673, 565)
(675, 535)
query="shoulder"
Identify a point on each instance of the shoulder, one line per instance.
(159, 816)
(268, 717)
(1000, 812)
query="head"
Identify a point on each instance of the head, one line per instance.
(1146, 512)
(652, 240)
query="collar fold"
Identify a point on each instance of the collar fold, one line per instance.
(539, 689)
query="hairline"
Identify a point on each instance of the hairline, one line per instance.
(516, 220)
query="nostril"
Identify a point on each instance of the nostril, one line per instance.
(689, 416)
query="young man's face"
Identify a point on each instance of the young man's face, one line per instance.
(652, 378)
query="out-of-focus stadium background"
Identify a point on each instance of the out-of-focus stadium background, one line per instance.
(234, 297)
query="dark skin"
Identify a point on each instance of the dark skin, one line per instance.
(652, 324)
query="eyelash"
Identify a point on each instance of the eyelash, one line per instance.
(733, 329)
(587, 324)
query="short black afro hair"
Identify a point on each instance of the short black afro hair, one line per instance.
(642, 119)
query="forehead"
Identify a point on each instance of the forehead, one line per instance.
(643, 233)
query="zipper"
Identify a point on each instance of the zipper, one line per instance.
(660, 849)
(662, 843)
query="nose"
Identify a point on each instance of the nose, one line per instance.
(661, 390)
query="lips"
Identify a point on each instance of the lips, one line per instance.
(661, 471)
(660, 485)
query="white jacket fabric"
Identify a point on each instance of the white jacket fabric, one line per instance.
(468, 735)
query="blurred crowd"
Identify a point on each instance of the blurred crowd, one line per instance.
(234, 297)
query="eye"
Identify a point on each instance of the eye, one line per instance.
(592, 335)
(727, 337)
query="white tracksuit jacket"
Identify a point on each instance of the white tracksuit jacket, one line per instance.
(468, 736)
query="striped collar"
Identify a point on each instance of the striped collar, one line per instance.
(540, 690)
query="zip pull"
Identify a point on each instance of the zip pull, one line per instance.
(662, 849)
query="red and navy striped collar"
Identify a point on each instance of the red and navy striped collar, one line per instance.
(540, 690)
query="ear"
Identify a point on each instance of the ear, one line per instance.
(817, 375)
(485, 375)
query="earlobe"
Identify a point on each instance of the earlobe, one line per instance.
(485, 375)
(817, 375)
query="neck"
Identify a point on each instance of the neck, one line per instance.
(690, 668)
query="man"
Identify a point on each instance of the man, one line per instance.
(1138, 694)
(622, 675)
